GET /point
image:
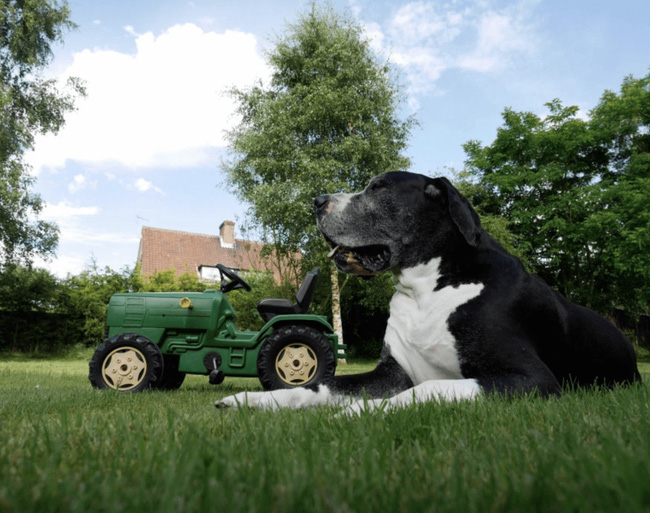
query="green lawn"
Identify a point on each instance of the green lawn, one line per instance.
(67, 447)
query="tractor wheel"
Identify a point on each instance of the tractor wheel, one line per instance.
(171, 378)
(294, 356)
(128, 362)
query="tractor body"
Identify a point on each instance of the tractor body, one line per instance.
(154, 339)
(208, 326)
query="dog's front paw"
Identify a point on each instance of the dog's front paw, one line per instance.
(232, 401)
(262, 400)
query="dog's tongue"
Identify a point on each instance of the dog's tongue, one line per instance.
(331, 254)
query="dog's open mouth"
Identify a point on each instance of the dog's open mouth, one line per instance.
(365, 261)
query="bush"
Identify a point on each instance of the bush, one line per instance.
(31, 319)
(245, 303)
(42, 313)
(167, 281)
(37, 332)
(84, 298)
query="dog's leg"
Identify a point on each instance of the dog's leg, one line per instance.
(535, 379)
(434, 390)
(387, 379)
(288, 398)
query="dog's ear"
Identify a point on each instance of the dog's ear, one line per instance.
(461, 212)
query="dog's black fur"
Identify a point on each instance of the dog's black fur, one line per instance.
(517, 336)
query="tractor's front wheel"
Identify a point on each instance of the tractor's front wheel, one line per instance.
(127, 362)
(294, 356)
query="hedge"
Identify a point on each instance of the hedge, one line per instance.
(38, 332)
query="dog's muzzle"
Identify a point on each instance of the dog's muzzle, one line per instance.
(361, 259)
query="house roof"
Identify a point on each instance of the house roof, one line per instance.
(162, 249)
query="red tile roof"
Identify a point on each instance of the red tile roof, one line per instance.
(163, 249)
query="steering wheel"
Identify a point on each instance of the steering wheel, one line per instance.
(235, 281)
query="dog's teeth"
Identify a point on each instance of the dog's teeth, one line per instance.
(331, 254)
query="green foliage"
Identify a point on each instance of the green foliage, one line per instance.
(28, 105)
(327, 123)
(49, 313)
(23, 289)
(623, 119)
(67, 447)
(575, 194)
(263, 286)
(85, 299)
(365, 303)
(31, 318)
(167, 281)
(38, 333)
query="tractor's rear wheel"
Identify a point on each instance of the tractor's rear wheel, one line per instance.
(294, 356)
(127, 362)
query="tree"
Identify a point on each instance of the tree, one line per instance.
(29, 105)
(623, 119)
(327, 123)
(575, 193)
(25, 290)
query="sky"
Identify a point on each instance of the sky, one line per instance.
(144, 148)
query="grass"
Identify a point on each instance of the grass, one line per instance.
(68, 447)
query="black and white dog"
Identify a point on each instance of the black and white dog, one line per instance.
(466, 318)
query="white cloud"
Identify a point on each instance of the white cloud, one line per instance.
(143, 185)
(90, 237)
(162, 106)
(421, 21)
(428, 38)
(374, 34)
(62, 266)
(500, 37)
(130, 30)
(75, 227)
(80, 182)
(63, 210)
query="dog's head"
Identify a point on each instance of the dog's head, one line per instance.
(399, 220)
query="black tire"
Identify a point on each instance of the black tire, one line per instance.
(171, 378)
(128, 362)
(295, 356)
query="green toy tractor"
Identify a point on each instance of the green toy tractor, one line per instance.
(155, 339)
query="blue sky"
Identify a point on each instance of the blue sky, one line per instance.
(144, 147)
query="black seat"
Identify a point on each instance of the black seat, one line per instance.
(269, 308)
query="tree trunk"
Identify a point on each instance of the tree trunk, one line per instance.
(336, 312)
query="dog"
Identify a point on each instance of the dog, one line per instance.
(466, 320)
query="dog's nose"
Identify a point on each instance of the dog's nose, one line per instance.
(321, 201)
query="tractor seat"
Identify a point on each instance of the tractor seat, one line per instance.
(269, 308)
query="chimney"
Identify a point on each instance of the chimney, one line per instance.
(227, 233)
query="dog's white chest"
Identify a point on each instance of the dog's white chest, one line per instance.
(417, 331)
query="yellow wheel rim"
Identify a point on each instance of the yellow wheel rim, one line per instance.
(296, 364)
(124, 369)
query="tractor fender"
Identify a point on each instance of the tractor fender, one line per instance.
(318, 322)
